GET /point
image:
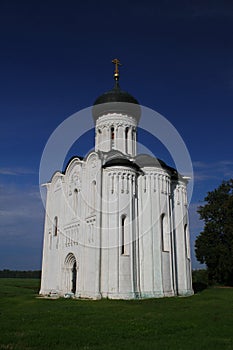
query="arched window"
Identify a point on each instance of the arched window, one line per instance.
(93, 194)
(123, 250)
(112, 133)
(162, 231)
(55, 226)
(185, 240)
(98, 136)
(75, 201)
(126, 139)
(112, 136)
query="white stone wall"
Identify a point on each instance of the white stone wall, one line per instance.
(75, 200)
(122, 232)
(181, 239)
(116, 132)
(118, 269)
(155, 239)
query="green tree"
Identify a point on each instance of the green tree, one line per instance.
(214, 246)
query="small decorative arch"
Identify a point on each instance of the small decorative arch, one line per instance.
(70, 260)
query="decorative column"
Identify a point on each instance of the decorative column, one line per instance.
(130, 140)
(133, 141)
(121, 139)
(179, 242)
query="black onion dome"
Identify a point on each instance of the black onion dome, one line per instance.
(115, 95)
(122, 162)
(145, 160)
(118, 101)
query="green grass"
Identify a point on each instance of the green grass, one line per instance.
(204, 321)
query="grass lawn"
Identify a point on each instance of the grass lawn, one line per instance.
(203, 321)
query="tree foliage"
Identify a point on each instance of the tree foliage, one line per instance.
(214, 246)
(19, 274)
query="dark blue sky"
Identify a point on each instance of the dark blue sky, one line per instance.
(56, 59)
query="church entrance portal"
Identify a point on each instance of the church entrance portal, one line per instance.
(71, 273)
(74, 278)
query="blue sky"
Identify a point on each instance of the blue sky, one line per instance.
(56, 59)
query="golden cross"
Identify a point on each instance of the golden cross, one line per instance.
(117, 64)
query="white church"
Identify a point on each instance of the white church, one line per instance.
(116, 223)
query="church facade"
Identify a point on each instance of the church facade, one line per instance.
(116, 223)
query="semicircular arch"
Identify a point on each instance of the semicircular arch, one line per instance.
(70, 260)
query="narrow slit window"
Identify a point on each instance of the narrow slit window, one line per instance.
(93, 195)
(162, 231)
(126, 139)
(123, 251)
(112, 133)
(112, 137)
(75, 201)
(185, 240)
(55, 226)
